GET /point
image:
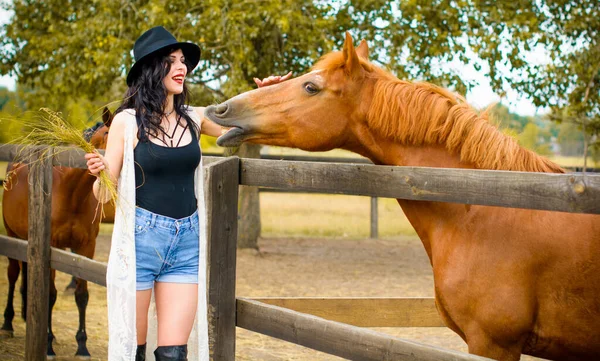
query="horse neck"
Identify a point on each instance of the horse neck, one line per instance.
(78, 184)
(425, 217)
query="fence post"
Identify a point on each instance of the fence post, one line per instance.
(374, 218)
(222, 182)
(38, 254)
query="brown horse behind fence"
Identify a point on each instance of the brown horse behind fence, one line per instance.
(74, 225)
(508, 281)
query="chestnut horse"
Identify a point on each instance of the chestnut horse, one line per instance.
(508, 281)
(74, 225)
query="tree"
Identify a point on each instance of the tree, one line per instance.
(534, 138)
(10, 106)
(86, 51)
(570, 139)
(506, 119)
(64, 49)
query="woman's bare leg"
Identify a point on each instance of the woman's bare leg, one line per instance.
(176, 311)
(142, 303)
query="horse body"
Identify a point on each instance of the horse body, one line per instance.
(75, 218)
(508, 281)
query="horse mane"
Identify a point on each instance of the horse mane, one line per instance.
(89, 132)
(425, 114)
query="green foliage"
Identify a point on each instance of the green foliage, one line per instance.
(10, 107)
(505, 119)
(570, 139)
(83, 48)
(63, 50)
(533, 138)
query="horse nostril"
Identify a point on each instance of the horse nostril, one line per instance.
(221, 109)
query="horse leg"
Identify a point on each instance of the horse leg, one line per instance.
(9, 313)
(52, 300)
(24, 290)
(81, 298)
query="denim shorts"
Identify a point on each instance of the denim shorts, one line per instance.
(166, 249)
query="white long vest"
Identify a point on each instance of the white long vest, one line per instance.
(120, 276)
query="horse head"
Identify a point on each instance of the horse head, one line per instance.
(314, 112)
(347, 102)
(97, 135)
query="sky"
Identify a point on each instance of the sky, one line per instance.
(479, 96)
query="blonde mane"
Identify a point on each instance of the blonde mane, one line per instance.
(425, 114)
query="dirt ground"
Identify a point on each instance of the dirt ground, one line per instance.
(283, 267)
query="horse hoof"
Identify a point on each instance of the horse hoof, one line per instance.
(82, 355)
(7, 334)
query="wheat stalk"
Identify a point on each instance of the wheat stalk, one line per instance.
(49, 129)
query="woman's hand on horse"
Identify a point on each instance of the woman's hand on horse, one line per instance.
(273, 79)
(95, 163)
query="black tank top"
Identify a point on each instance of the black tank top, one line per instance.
(164, 177)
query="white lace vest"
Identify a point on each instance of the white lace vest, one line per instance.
(120, 276)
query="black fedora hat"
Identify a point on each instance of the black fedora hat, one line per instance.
(155, 40)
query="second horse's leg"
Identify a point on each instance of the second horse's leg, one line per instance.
(52, 300)
(9, 313)
(81, 298)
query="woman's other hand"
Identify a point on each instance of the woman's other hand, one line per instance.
(95, 163)
(273, 79)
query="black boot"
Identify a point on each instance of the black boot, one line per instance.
(140, 354)
(171, 353)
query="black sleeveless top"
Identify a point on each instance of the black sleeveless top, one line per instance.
(164, 177)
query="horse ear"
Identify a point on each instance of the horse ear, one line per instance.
(363, 50)
(107, 116)
(352, 64)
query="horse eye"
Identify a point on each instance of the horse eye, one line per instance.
(310, 88)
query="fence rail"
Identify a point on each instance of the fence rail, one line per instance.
(336, 338)
(570, 192)
(576, 193)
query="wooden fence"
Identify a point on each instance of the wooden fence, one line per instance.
(374, 216)
(556, 192)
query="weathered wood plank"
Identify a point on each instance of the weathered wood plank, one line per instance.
(78, 266)
(71, 157)
(60, 260)
(38, 256)
(365, 312)
(222, 178)
(558, 192)
(8, 152)
(64, 156)
(351, 342)
(13, 248)
(17, 152)
(306, 158)
(572, 192)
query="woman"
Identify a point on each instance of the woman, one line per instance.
(153, 151)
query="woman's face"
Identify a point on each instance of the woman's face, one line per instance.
(174, 80)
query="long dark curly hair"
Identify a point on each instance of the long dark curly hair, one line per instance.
(147, 95)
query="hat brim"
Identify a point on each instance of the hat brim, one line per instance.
(191, 52)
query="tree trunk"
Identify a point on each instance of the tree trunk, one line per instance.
(249, 203)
